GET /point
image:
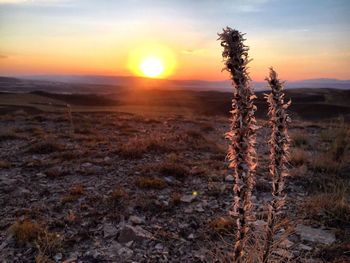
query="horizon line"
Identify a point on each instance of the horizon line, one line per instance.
(155, 79)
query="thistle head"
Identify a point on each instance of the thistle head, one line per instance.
(235, 53)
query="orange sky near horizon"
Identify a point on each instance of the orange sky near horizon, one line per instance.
(41, 37)
(206, 66)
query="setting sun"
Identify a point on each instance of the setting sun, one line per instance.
(152, 67)
(152, 61)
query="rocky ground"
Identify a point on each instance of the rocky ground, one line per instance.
(116, 187)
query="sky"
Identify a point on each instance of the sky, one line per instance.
(301, 39)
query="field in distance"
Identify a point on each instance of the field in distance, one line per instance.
(36, 96)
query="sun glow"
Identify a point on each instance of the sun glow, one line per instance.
(152, 67)
(152, 61)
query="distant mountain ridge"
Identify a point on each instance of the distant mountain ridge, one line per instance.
(130, 81)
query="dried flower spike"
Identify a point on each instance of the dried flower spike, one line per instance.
(279, 145)
(242, 153)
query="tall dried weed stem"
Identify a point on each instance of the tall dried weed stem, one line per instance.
(279, 145)
(242, 154)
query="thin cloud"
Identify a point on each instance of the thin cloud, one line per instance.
(44, 2)
(193, 51)
(12, 1)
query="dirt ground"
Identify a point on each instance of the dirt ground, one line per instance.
(119, 187)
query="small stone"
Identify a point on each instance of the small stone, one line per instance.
(201, 254)
(129, 233)
(107, 159)
(125, 252)
(315, 235)
(305, 247)
(136, 220)
(41, 175)
(188, 210)
(188, 198)
(74, 255)
(169, 179)
(190, 236)
(58, 257)
(129, 244)
(159, 246)
(24, 191)
(229, 178)
(86, 165)
(109, 230)
(199, 208)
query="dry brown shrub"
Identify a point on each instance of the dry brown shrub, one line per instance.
(324, 163)
(299, 139)
(299, 157)
(334, 205)
(138, 146)
(173, 169)
(299, 171)
(4, 164)
(26, 231)
(9, 135)
(77, 190)
(150, 182)
(45, 147)
(222, 224)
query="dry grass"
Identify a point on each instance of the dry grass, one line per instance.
(299, 139)
(55, 172)
(148, 203)
(4, 164)
(38, 118)
(324, 163)
(207, 127)
(299, 157)
(71, 155)
(69, 199)
(337, 253)
(138, 146)
(77, 190)
(194, 135)
(29, 232)
(46, 147)
(43, 259)
(84, 130)
(9, 135)
(118, 194)
(36, 131)
(71, 217)
(74, 193)
(222, 224)
(195, 140)
(334, 205)
(173, 165)
(150, 182)
(175, 199)
(118, 198)
(216, 189)
(26, 231)
(298, 172)
(173, 169)
(48, 244)
(341, 142)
